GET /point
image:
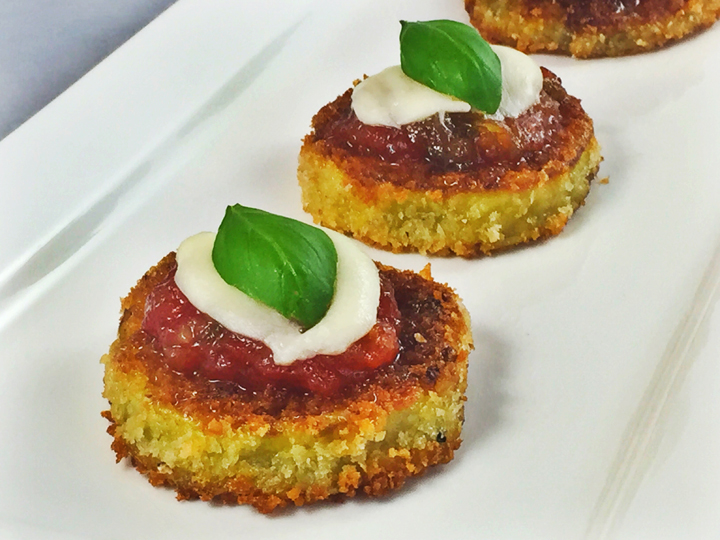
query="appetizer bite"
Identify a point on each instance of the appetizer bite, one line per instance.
(464, 148)
(274, 363)
(590, 28)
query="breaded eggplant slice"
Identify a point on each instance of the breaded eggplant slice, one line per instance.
(215, 441)
(591, 28)
(466, 208)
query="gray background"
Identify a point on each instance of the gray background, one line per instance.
(46, 45)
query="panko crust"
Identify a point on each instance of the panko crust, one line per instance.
(214, 441)
(594, 28)
(467, 213)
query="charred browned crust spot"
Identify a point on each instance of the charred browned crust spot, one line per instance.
(435, 340)
(591, 28)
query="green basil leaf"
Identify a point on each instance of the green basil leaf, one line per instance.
(452, 58)
(281, 262)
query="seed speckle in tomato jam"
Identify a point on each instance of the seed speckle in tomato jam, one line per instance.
(194, 344)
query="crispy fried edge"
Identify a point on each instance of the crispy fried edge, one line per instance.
(544, 30)
(326, 181)
(377, 477)
(328, 192)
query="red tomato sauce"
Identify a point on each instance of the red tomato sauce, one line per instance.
(453, 142)
(193, 343)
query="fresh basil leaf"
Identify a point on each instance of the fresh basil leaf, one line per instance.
(281, 262)
(452, 58)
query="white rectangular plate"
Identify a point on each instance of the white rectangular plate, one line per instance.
(593, 404)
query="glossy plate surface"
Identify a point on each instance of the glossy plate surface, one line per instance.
(594, 400)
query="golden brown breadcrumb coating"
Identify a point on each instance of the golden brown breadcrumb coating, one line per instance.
(215, 441)
(469, 212)
(590, 28)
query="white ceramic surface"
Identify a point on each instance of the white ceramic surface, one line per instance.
(593, 408)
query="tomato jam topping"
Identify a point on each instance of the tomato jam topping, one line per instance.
(453, 142)
(609, 13)
(193, 343)
(455, 151)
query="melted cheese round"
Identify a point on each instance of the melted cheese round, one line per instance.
(522, 81)
(352, 313)
(393, 99)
